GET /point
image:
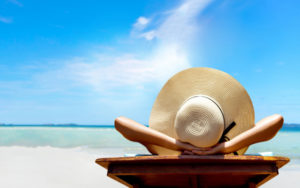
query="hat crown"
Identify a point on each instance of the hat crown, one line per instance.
(199, 121)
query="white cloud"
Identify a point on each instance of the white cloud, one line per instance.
(168, 55)
(5, 20)
(180, 25)
(128, 70)
(141, 23)
(148, 35)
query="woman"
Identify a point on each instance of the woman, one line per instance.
(263, 130)
(201, 111)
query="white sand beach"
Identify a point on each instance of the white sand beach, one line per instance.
(49, 167)
(62, 168)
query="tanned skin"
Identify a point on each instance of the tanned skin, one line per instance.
(263, 130)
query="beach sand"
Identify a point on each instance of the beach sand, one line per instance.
(62, 168)
(49, 167)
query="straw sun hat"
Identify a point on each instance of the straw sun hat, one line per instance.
(201, 106)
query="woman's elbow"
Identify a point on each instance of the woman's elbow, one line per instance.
(122, 125)
(276, 124)
(278, 119)
(119, 123)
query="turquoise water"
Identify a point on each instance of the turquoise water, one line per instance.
(62, 137)
(286, 143)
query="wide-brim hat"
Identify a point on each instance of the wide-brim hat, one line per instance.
(197, 105)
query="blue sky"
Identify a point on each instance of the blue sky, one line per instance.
(88, 62)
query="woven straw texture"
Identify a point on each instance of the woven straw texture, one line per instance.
(227, 91)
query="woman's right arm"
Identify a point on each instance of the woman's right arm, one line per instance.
(264, 130)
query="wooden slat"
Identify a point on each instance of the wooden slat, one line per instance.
(127, 169)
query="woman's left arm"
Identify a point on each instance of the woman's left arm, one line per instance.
(264, 130)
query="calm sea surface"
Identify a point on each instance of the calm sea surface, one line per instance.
(109, 141)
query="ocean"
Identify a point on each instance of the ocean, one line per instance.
(106, 141)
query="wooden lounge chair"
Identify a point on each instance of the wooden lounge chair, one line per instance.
(193, 171)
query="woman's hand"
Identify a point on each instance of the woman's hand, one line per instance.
(217, 149)
(221, 148)
(184, 146)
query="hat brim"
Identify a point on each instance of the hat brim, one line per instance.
(230, 94)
